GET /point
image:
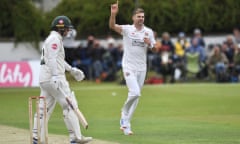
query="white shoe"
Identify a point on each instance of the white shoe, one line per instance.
(83, 140)
(124, 123)
(125, 126)
(127, 131)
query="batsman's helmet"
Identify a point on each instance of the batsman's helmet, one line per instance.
(61, 22)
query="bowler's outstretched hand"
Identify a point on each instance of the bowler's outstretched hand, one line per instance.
(114, 8)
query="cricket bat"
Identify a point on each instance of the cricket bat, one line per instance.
(79, 114)
(76, 110)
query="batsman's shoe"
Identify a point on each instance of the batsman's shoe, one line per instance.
(35, 141)
(127, 131)
(83, 140)
(124, 123)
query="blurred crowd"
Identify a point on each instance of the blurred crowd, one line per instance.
(99, 62)
(180, 60)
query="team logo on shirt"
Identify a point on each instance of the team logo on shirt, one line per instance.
(54, 46)
(139, 43)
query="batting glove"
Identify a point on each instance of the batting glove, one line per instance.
(77, 74)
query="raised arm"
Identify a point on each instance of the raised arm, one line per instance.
(112, 20)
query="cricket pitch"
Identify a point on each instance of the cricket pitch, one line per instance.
(11, 135)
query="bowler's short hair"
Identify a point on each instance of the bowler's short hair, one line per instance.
(138, 10)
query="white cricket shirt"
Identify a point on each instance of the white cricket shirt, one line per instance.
(52, 59)
(134, 48)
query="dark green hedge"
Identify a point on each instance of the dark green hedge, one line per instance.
(212, 16)
(21, 20)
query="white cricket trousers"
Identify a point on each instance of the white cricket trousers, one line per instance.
(134, 81)
(54, 95)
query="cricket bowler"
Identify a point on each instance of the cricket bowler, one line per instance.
(137, 38)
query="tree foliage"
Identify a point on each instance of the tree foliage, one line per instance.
(21, 20)
(212, 16)
(88, 17)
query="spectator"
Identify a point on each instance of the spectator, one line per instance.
(109, 60)
(179, 56)
(90, 41)
(119, 56)
(195, 48)
(96, 53)
(217, 64)
(197, 34)
(236, 35)
(181, 44)
(83, 61)
(111, 47)
(228, 49)
(165, 63)
(152, 56)
(158, 42)
(236, 74)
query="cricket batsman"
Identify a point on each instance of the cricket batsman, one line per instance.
(53, 83)
(137, 38)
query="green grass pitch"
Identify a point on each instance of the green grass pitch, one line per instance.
(166, 114)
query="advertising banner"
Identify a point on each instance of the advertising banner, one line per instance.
(19, 74)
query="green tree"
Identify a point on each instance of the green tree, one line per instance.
(91, 17)
(21, 20)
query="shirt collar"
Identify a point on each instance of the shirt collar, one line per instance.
(58, 35)
(136, 30)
